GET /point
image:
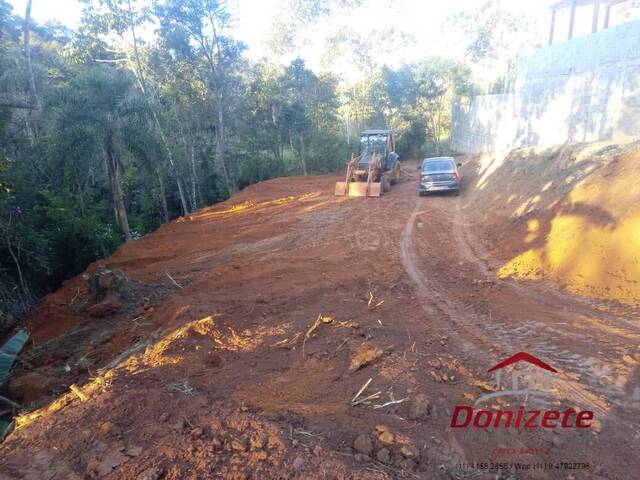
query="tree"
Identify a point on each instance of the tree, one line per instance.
(103, 17)
(495, 34)
(299, 83)
(27, 54)
(12, 80)
(196, 32)
(294, 19)
(440, 82)
(94, 106)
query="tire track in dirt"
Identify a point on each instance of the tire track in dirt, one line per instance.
(500, 338)
(588, 379)
(434, 303)
(564, 311)
(444, 304)
(430, 266)
(437, 305)
(588, 344)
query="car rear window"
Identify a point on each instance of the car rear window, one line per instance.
(438, 166)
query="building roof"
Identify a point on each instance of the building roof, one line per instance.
(567, 3)
(525, 357)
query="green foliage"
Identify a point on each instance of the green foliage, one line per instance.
(412, 137)
(79, 238)
(9, 351)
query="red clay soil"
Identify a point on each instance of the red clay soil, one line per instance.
(247, 329)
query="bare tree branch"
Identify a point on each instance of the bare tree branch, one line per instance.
(12, 103)
(27, 54)
(114, 60)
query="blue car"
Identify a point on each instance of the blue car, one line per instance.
(439, 174)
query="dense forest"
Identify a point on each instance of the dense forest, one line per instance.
(108, 131)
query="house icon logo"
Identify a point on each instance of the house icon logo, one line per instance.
(533, 380)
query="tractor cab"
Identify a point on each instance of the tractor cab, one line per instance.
(381, 142)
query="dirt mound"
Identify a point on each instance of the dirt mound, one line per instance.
(224, 367)
(570, 215)
(72, 338)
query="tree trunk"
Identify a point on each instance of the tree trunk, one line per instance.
(118, 194)
(303, 160)
(220, 146)
(119, 199)
(189, 151)
(183, 200)
(439, 129)
(195, 182)
(217, 74)
(23, 283)
(348, 129)
(27, 53)
(29, 131)
(139, 74)
(165, 143)
(279, 147)
(275, 117)
(81, 198)
(163, 197)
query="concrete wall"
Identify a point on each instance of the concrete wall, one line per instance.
(586, 89)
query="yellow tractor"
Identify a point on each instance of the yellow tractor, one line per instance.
(371, 173)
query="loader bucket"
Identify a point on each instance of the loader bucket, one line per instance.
(357, 189)
(342, 189)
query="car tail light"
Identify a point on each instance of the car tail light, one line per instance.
(424, 178)
(455, 175)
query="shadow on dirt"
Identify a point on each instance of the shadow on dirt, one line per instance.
(566, 215)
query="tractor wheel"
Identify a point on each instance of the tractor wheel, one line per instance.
(396, 174)
(386, 185)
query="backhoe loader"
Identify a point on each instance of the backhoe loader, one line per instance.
(371, 173)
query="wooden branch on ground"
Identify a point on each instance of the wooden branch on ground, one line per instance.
(79, 393)
(373, 396)
(172, 280)
(355, 397)
(392, 402)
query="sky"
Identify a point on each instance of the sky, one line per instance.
(422, 20)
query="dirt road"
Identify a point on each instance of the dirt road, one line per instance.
(226, 372)
(594, 349)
